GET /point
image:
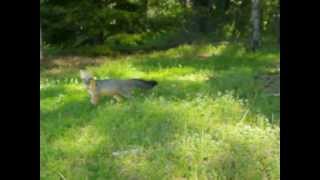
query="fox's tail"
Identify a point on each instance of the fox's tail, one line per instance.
(144, 84)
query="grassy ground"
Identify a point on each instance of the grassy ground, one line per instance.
(209, 118)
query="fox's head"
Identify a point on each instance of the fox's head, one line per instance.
(86, 77)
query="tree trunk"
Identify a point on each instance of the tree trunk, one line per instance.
(278, 29)
(41, 55)
(183, 3)
(255, 18)
(188, 3)
(278, 25)
(145, 8)
(202, 11)
(226, 5)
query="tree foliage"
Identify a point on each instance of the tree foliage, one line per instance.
(82, 22)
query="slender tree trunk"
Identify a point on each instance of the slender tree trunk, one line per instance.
(145, 8)
(41, 55)
(100, 38)
(255, 19)
(278, 29)
(183, 3)
(188, 3)
(202, 11)
(226, 5)
(278, 24)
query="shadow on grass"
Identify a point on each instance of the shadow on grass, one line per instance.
(232, 69)
(229, 57)
(130, 124)
(242, 87)
(139, 123)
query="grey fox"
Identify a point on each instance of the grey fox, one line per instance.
(113, 87)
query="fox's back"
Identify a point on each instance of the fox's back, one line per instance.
(109, 87)
(116, 86)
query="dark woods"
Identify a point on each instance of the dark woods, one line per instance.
(152, 24)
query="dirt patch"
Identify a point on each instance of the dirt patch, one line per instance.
(72, 62)
(67, 66)
(271, 83)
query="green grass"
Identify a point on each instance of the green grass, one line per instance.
(124, 43)
(208, 118)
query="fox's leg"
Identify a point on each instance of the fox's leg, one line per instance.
(118, 98)
(126, 93)
(94, 99)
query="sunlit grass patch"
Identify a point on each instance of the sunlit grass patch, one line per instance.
(208, 118)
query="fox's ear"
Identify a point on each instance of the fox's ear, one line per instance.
(84, 74)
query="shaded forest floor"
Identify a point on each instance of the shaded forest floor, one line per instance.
(213, 115)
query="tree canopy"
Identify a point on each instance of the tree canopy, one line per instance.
(83, 22)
